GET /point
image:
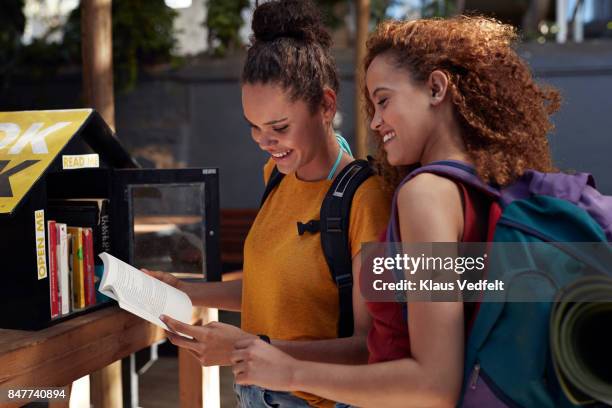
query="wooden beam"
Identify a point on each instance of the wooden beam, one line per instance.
(190, 380)
(361, 127)
(97, 53)
(199, 386)
(105, 387)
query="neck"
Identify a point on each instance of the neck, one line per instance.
(446, 143)
(324, 158)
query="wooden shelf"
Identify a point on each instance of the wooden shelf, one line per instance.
(63, 353)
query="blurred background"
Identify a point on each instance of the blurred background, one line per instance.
(176, 66)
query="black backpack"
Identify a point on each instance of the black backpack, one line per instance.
(333, 224)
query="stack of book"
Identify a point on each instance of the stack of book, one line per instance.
(77, 231)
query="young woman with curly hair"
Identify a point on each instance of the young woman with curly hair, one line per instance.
(436, 90)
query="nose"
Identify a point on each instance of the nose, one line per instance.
(266, 141)
(376, 121)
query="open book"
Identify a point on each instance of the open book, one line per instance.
(141, 294)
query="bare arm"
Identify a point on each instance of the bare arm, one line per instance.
(214, 343)
(430, 211)
(431, 377)
(218, 295)
(348, 350)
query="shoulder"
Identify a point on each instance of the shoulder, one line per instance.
(430, 206)
(428, 186)
(371, 193)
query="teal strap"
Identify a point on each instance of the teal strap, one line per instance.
(344, 147)
(343, 144)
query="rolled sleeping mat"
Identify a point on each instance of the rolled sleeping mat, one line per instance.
(581, 340)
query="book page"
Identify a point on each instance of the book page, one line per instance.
(141, 294)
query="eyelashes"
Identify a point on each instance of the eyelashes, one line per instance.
(382, 102)
(281, 129)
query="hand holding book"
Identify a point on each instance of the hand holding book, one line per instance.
(212, 344)
(142, 294)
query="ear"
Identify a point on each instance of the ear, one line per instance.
(438, 86)
(328, 105)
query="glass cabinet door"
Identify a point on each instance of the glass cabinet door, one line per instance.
(169, 220)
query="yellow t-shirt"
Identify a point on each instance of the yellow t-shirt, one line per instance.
(287, 290)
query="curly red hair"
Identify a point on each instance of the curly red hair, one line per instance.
(504, 113)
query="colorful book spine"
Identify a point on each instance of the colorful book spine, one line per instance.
(53, 274)
(58, 267)
(78, 282)
(88, 266)
(64, 269)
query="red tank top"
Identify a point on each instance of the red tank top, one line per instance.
(388, 338)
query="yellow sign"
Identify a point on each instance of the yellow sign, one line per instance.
(29, 141)
(80, 161)
(41, 255)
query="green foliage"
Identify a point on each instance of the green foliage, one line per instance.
(223, 20)
(378, 10)
(329, 10)
(437, 8)
(142, 34)
(12, 23)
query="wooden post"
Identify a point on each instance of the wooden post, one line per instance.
(198, 386)
(361, 127)
(97, 51)
(105, 386)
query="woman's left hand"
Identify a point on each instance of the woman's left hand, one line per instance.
(212, 344)
(259, 363)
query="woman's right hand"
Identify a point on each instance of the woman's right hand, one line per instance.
(256, 362)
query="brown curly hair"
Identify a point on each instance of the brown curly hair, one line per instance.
(505, 115)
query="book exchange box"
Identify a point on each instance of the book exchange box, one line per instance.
(69, 191)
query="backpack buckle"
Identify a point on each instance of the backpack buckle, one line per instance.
(311, 226)
(343, 281)
(334, 224)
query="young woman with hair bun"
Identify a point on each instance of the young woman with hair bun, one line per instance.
(437, 90)
(289, 97)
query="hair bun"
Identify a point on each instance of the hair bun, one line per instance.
(298, 19)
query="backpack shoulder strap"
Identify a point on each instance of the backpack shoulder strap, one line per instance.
(334, 224)
(275, 178)
(458, 171)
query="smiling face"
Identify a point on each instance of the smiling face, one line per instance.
(288, 130)
(403, 117)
